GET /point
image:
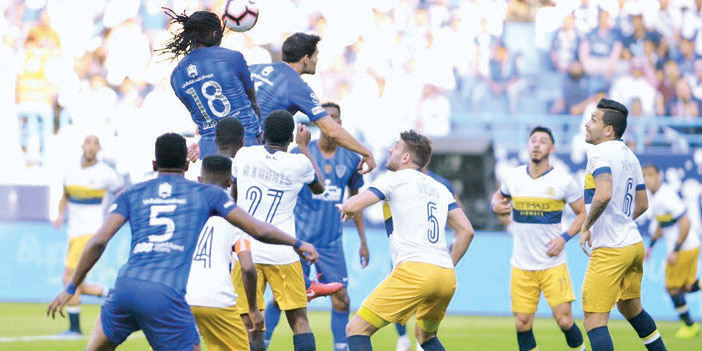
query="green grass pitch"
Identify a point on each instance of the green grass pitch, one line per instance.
(457, 333)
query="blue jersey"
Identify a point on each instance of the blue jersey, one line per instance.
(443, 181)
(212, 82)
(166, 215)
(317, 219)
(280, 87)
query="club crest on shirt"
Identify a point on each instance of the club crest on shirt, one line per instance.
(192, 71)
(327, 168)
(164, 190)
(549, 191)
(340, 170)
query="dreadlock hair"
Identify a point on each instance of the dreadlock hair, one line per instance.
(202, 27)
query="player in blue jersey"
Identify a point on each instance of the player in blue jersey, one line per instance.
(212, 82)
(317, 221)
(280, 87)
(166, 215)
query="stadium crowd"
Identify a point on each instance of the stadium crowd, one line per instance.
(69, 69)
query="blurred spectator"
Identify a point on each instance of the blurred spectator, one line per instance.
(667, 78)
(600, 51)
(635, 42)
(574, 91)
(565, 45)
(695, 80)
(684, 104)
(686, 56)
(502, 83)
(634, 86)
(434, 112)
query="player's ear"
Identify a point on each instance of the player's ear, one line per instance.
(199, 179)
(153, 164)
(187, 165)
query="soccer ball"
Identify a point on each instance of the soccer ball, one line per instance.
(240, 15)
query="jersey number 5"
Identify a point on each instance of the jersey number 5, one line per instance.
(433, 231)
(210, 100)
(155, 220)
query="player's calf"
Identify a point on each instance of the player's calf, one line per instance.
(642, 322)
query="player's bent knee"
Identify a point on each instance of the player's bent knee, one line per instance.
(523, 321)
(630, 308)
(360, 326)
(428, 326)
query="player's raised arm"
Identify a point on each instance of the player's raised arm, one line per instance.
(343, 138)
(356, 204)
(267, 233)
(93, 250)
(303, 140)
(458, 221)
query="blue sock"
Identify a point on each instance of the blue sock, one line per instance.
(271, 316)
(681, 307)
(304, 342)
(74, 321)
(526, 340)
(401, 329)
(360, 343)
(433, 344)
(574, 337)
(648, 332)
(338, 327)
(600, 340)
(696, 286)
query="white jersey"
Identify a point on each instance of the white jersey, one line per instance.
(210, 281)
(616, 226)
(267, 187)
(415, 209)
(668, 207)
(86, 188)
(538, 205)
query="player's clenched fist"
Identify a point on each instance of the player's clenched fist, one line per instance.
(307, 251)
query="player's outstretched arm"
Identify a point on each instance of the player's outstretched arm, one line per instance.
(355, 204)
(267, 233)
(641, 203)
(343, 138)
(360, 226)
(92, 252)
(458, 221)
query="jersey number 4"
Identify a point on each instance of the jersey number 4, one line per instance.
(211, 98)
(203, 251)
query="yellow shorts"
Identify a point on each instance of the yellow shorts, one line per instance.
(684, 271)
(286, 282)
(613, 274)
(412, 287)
(76, 246)
(526, 287)
(222, 328)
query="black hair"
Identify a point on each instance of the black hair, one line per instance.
(614, 115)
(541, 129)
(202, 27)
(651, 165)
(332, 104)
(299, 45)
(228, 132)
(171, 151)
(279, 127)
(217, 165)
(419, 146)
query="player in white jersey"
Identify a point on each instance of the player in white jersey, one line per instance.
(673, 224)
(268, 180)
(85, 185)
(536, 194)
(615, 195)
(416, 209)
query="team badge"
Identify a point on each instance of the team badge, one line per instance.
(549, 191)
(314, 98)
(164, 190)
(266, 71)
(340, 170)
(327, 169)
(192, 71)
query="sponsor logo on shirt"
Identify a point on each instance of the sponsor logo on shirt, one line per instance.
(317, 110)
(167, 247)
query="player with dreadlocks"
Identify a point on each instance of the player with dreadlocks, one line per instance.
(212, 82)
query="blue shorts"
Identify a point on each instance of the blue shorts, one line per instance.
(158, 310)
(331, 264)
(208, 146)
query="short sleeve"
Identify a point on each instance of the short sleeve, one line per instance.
(640, 183)
(573, 192)
(219, 201)
(302, 97)
(241, 70)
(236, 162)
(673, 204)
(504, 187)
(308, 175)
(383, 186)
(241, 245)
(121, 205)
(356, 180)
(597, 163)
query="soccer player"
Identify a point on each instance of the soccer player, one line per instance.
(280, 87)
(683, 247)
(416, 209)
(615, 195)
(210, 292)
(166, 215)
(85, 184)
(268, 180)
(536, 194)
(317, 221)
(212, 82)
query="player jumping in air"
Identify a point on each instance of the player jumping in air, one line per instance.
(536, 194)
